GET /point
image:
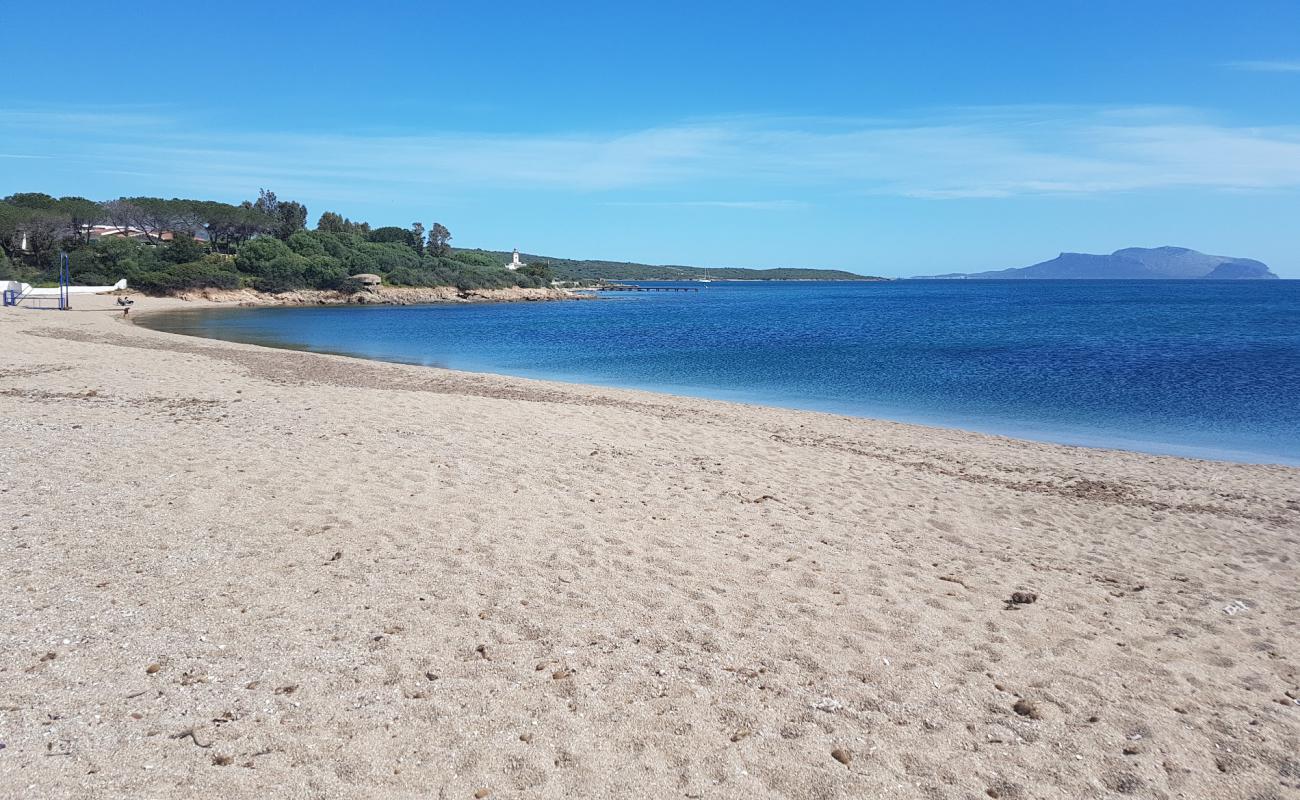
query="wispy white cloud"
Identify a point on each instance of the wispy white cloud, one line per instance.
(1265, 66)
(81, 118)
(753, 205)
(965, 153)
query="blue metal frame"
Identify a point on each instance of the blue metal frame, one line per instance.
(65, 282)
(12, 298)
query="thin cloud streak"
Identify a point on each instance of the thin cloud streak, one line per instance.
(755, 205)
(1265, 66)
(966, 154)
(78, 120)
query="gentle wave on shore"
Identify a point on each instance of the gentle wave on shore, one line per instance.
(1191, 368)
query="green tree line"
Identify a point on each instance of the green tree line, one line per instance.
(165, 246)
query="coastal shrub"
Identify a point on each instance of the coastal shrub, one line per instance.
(8, 272)
(83, 263)
(323, 272)
(182, 250)
(92, 279)
(274, 265)
(306, 244)
(184, 277)
(106, 261)
(469, 276)
(283, 274)
(541, 273)
(380, 258)
(152, 283)
(121, 257)
(476, 258)
(460, 275)
(395, 235)
(257, 255)
(334, 244)
(405, 276)
(107, 258)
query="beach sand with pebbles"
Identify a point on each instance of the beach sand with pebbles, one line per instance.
(241, 572)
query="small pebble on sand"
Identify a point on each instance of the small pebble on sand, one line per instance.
(841, 755)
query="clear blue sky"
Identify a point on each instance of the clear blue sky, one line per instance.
(890, 138)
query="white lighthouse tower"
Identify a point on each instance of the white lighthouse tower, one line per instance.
(515, 263)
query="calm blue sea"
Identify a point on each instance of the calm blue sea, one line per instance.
(1206, 369)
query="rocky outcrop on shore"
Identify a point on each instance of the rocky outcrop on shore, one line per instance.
(380, 295)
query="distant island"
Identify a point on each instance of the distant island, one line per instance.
(568, 269)
(1131, 263)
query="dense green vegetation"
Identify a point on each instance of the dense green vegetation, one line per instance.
(567, 269)
(166, 246)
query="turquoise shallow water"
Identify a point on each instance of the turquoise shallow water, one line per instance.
(1196, 368)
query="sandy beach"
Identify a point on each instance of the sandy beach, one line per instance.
(240, 572)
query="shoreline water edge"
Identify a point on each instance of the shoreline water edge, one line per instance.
(838, 360)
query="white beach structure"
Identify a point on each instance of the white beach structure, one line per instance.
(53, 291)
(25, 291)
